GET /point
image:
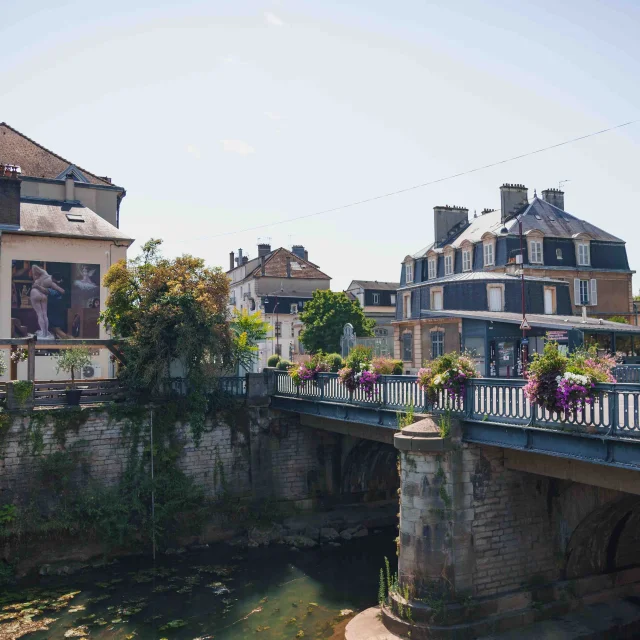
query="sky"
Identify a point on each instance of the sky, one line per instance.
(218, 117)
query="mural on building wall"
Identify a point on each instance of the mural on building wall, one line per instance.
(54, 300)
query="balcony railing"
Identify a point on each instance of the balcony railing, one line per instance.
(615, 411)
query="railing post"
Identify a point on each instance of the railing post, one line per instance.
(384, 391)
(613, 409)
(321, 380)
(469, 396)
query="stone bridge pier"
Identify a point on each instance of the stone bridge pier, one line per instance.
(486, 545)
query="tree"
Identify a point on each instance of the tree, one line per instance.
(174, 316)
(247, 330)
(324, 317)
(72, 360)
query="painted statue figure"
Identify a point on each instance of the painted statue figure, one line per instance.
(38, 295)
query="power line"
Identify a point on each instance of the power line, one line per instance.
(426, 184)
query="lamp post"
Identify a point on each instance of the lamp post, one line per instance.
(524, 351)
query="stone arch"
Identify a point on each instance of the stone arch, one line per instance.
(370, 472)
(606, 540)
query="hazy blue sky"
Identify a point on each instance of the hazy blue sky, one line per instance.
(217, 116)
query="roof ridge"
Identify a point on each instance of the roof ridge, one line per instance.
(53, 153)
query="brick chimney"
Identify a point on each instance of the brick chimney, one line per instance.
(10, 195)
(232, 263)
(446, 219)
(264, 249)
(513, 198)
(554, 197)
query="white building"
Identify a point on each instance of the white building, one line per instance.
(278, 284)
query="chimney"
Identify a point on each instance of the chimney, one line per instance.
(513, 198)
(554, 197)
(298, 250)
(239, 258)
(232, 262)
(9, 195)
(306, 255)
(245, 259)
(288, 267)
(69, 189)
(447, 219)
(264, 249)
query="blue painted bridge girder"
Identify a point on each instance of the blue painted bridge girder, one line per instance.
(598, 448)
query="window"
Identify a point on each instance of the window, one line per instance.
(437, 344)
(294, 308)
(406, 308)
(376, 298)
(432, 269)
(293, 331)
(495, 298)
(466, 260)
(278, 329)
(278, 349)
(488, 254)
(436, 300)
(409, 272)
(393, 298)
(407, 347)
(549, 300)
(535, 251)
(558, 254)
(586, 292)
(448, 264)
(584, 259)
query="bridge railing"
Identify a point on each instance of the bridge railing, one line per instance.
(629, 373)
(614, 412)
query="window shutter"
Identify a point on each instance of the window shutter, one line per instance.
(594, 292)
(576, 291)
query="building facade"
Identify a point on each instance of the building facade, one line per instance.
(58, 236)
(278, 284)
(378, 301)
(575, 276)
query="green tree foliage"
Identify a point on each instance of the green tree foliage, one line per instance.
(247, 330)
(72, 360)
(172, 312)
(620, 319)
(324, 317)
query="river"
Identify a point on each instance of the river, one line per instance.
(221, 592)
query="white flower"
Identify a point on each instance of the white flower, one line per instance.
(576, 378)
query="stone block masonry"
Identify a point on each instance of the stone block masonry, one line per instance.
(250, 451)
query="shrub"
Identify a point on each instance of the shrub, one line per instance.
(565, 383)
(72, 360)
(283, 365)
(448, 373)
(388, 366)
(272, 361)
(335, 362)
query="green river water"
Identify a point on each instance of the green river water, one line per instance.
(220, 592)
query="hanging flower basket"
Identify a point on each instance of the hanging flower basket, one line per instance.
(447, 374)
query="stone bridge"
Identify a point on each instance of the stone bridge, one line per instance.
(508, 514)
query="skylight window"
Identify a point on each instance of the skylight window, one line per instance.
(552, 219)
(75, 217)
(538, 216)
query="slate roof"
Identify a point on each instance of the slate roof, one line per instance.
(34, 159)
(539, 214)
(481, 275)
(537, 320)
(50, 218)
(275, 266)
(374, 285)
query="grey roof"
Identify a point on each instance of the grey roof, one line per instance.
(482, 275)
(49, 218)
(541, 215)
(374, 285)
(537, 320)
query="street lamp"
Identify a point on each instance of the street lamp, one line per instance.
(524, 325)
